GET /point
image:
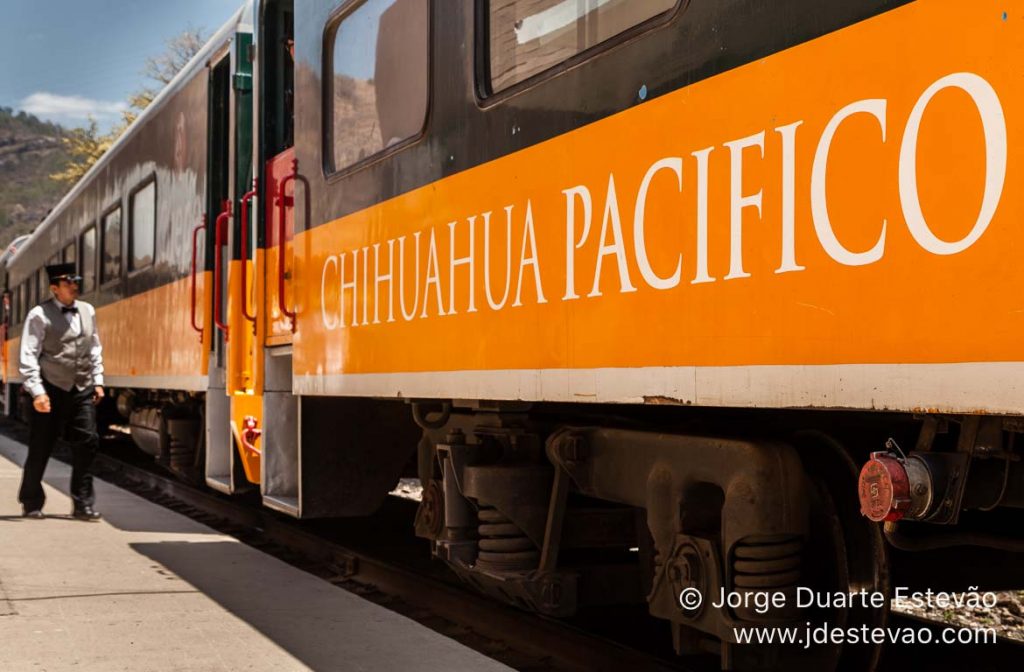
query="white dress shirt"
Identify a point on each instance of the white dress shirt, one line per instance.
(32, 345)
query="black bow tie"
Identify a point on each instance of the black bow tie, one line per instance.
(68, 309)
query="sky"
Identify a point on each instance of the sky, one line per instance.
(63, 60)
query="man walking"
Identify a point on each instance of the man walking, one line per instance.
(62, 362)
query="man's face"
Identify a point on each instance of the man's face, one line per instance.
(65, 290)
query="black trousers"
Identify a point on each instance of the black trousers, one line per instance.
(72, 416)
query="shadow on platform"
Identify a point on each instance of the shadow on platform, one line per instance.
(325, 627)
(121, 509)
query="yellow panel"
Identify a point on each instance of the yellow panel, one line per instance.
(247, 406)
(150, 334)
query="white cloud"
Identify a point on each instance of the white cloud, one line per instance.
(73, 110)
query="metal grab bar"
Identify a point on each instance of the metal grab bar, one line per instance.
(281, 239)
(195, 234)
(248, 196)
(218, 264)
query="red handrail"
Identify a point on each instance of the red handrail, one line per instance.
(281, 238)
(218, 263)
(195, 234)
(248, 196)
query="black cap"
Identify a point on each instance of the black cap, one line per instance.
(58, 271)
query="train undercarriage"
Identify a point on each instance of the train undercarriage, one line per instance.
(656, 506)
(557, 509)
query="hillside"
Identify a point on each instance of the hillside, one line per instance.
(30, 150)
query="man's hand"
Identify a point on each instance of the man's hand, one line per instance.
(97, 395)
(41, 403)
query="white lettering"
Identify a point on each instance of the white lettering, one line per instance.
(348, 285)
(469, 259)
(675, 164)
(332, 324)
(788, 134)
(994, 125)
(571, 243)
(433, 277)
(408, 315)
(617, 246)
(702, 217)
(532, 260)
(738, 201)
(819, 199)
(497, 305)
(388, 277)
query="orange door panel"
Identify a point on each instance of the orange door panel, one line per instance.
(278, 323)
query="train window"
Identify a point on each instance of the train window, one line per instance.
(142, 231)
(377, 89)
(70, 256)
(87, 264)
(527, 37)
(110, 269)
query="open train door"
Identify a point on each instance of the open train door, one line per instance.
(229, 468)
(275, 258)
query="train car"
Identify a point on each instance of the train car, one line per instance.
(5, 316)
(650, 295)
(128, 225)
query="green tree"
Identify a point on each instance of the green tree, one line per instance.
(84, 146)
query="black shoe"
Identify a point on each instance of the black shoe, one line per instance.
(34, 514)
(87, 514)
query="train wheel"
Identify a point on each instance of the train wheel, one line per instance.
(845, 553)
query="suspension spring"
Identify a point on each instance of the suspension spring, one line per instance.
(767, 565)
(503, 545)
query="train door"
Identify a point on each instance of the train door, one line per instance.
(280, 480)
(224, 468)
(243, 390)
(280, 172)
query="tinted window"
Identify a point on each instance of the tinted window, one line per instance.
(143, 229)
(87, 264)
(378, 87)
(110, 269)
(529, 36)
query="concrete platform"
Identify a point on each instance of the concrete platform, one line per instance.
(148, 589)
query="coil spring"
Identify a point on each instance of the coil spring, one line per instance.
(503, 545)
(767, 565)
